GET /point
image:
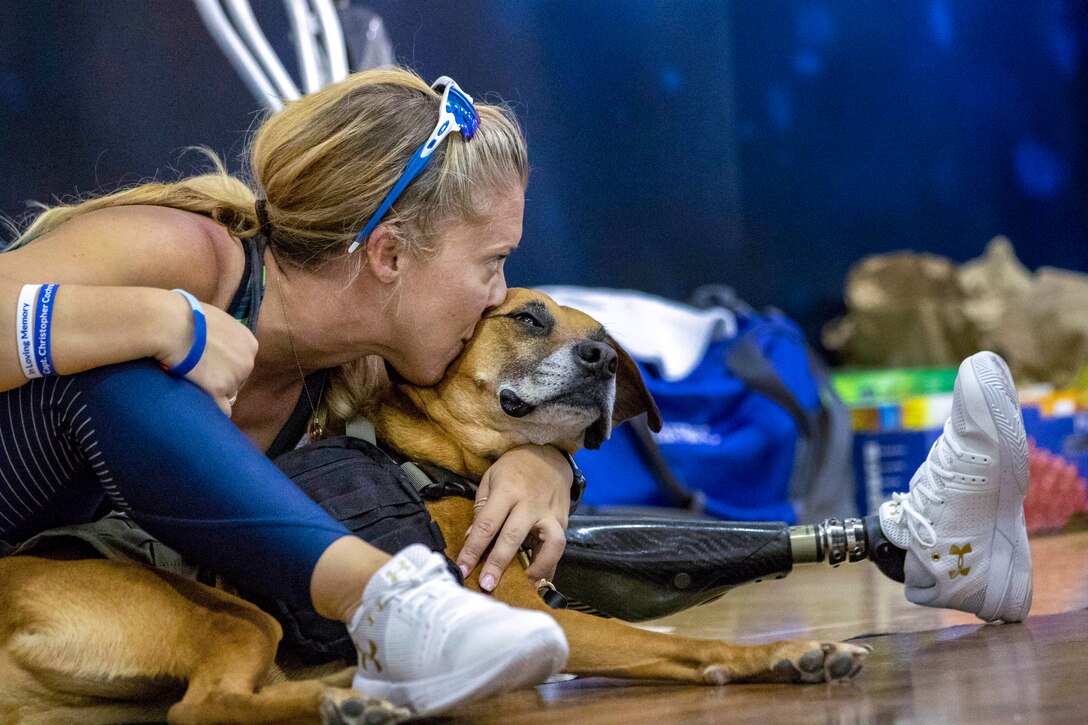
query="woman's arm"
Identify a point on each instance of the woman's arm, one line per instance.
(116, 268)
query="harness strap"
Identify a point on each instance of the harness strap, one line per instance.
(360, 427)
(416, 475)
(430, 482)
(115, 536)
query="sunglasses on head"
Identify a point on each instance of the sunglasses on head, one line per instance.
(455, 113)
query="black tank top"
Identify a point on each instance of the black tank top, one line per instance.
(245, 307)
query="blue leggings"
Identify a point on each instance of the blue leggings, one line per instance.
(161, 449)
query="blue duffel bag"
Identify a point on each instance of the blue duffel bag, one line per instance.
(754, 432)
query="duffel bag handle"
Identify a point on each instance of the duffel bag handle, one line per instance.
(682, 496)
(746, 359)
(748, 363)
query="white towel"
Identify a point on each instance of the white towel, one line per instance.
(670, 335)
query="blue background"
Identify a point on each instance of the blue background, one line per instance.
(768, 145)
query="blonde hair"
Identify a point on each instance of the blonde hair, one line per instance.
(325, 162)
(351, 390)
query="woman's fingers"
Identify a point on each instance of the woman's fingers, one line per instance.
(487, 521)
(505, 528)
(551, 541)
(224, 405)
(514, 530)
(227, 360)
(526, 491)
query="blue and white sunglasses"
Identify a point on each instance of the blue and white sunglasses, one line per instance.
(455, 113)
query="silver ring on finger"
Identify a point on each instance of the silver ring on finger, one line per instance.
(230, 400)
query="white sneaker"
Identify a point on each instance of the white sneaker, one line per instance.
(427, 643)
(962, 523)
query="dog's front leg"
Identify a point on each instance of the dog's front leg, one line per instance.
(608, 648)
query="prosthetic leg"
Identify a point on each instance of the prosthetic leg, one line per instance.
(635, 568)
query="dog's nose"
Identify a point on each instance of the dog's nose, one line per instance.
(596, 357)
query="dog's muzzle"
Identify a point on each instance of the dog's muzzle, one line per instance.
(587, 372)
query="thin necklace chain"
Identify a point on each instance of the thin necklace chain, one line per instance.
(314, 429)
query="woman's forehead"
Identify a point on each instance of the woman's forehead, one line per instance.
(499, 232)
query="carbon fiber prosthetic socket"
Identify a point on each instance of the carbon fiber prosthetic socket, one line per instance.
(635, 568)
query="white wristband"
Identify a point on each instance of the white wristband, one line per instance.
(24, 317)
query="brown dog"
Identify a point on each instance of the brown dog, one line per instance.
(101, 641)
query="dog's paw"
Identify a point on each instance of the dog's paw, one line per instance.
(816, 661)
(347, 707)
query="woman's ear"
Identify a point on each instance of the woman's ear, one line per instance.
(384, 255)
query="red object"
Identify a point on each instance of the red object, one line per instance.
(1055, 493)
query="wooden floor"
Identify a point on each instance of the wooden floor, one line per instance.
(927, 665)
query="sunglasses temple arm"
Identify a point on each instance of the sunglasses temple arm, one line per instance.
(410, 172)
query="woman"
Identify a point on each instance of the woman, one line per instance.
(110, 420)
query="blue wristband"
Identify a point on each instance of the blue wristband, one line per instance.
(43, 321)
(200, 337)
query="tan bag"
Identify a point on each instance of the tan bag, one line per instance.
(918, 310)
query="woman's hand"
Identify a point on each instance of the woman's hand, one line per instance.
(524, 495)
(228, 355)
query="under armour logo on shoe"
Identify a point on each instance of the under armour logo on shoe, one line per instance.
(961, 570)
(391, 576)
(371, 656)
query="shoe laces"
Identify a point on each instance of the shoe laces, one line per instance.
(908, 506)
(423, 591)
(904, 511)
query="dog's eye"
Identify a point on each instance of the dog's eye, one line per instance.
(527, 319)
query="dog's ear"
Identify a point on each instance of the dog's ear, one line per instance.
(632, 400)
(632, 397)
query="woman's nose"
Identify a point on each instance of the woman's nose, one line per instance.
(498, 292)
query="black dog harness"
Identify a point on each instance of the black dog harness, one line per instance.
(375, 497)
(378, 496)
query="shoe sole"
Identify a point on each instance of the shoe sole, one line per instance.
(540, 656)
(1009, 584)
